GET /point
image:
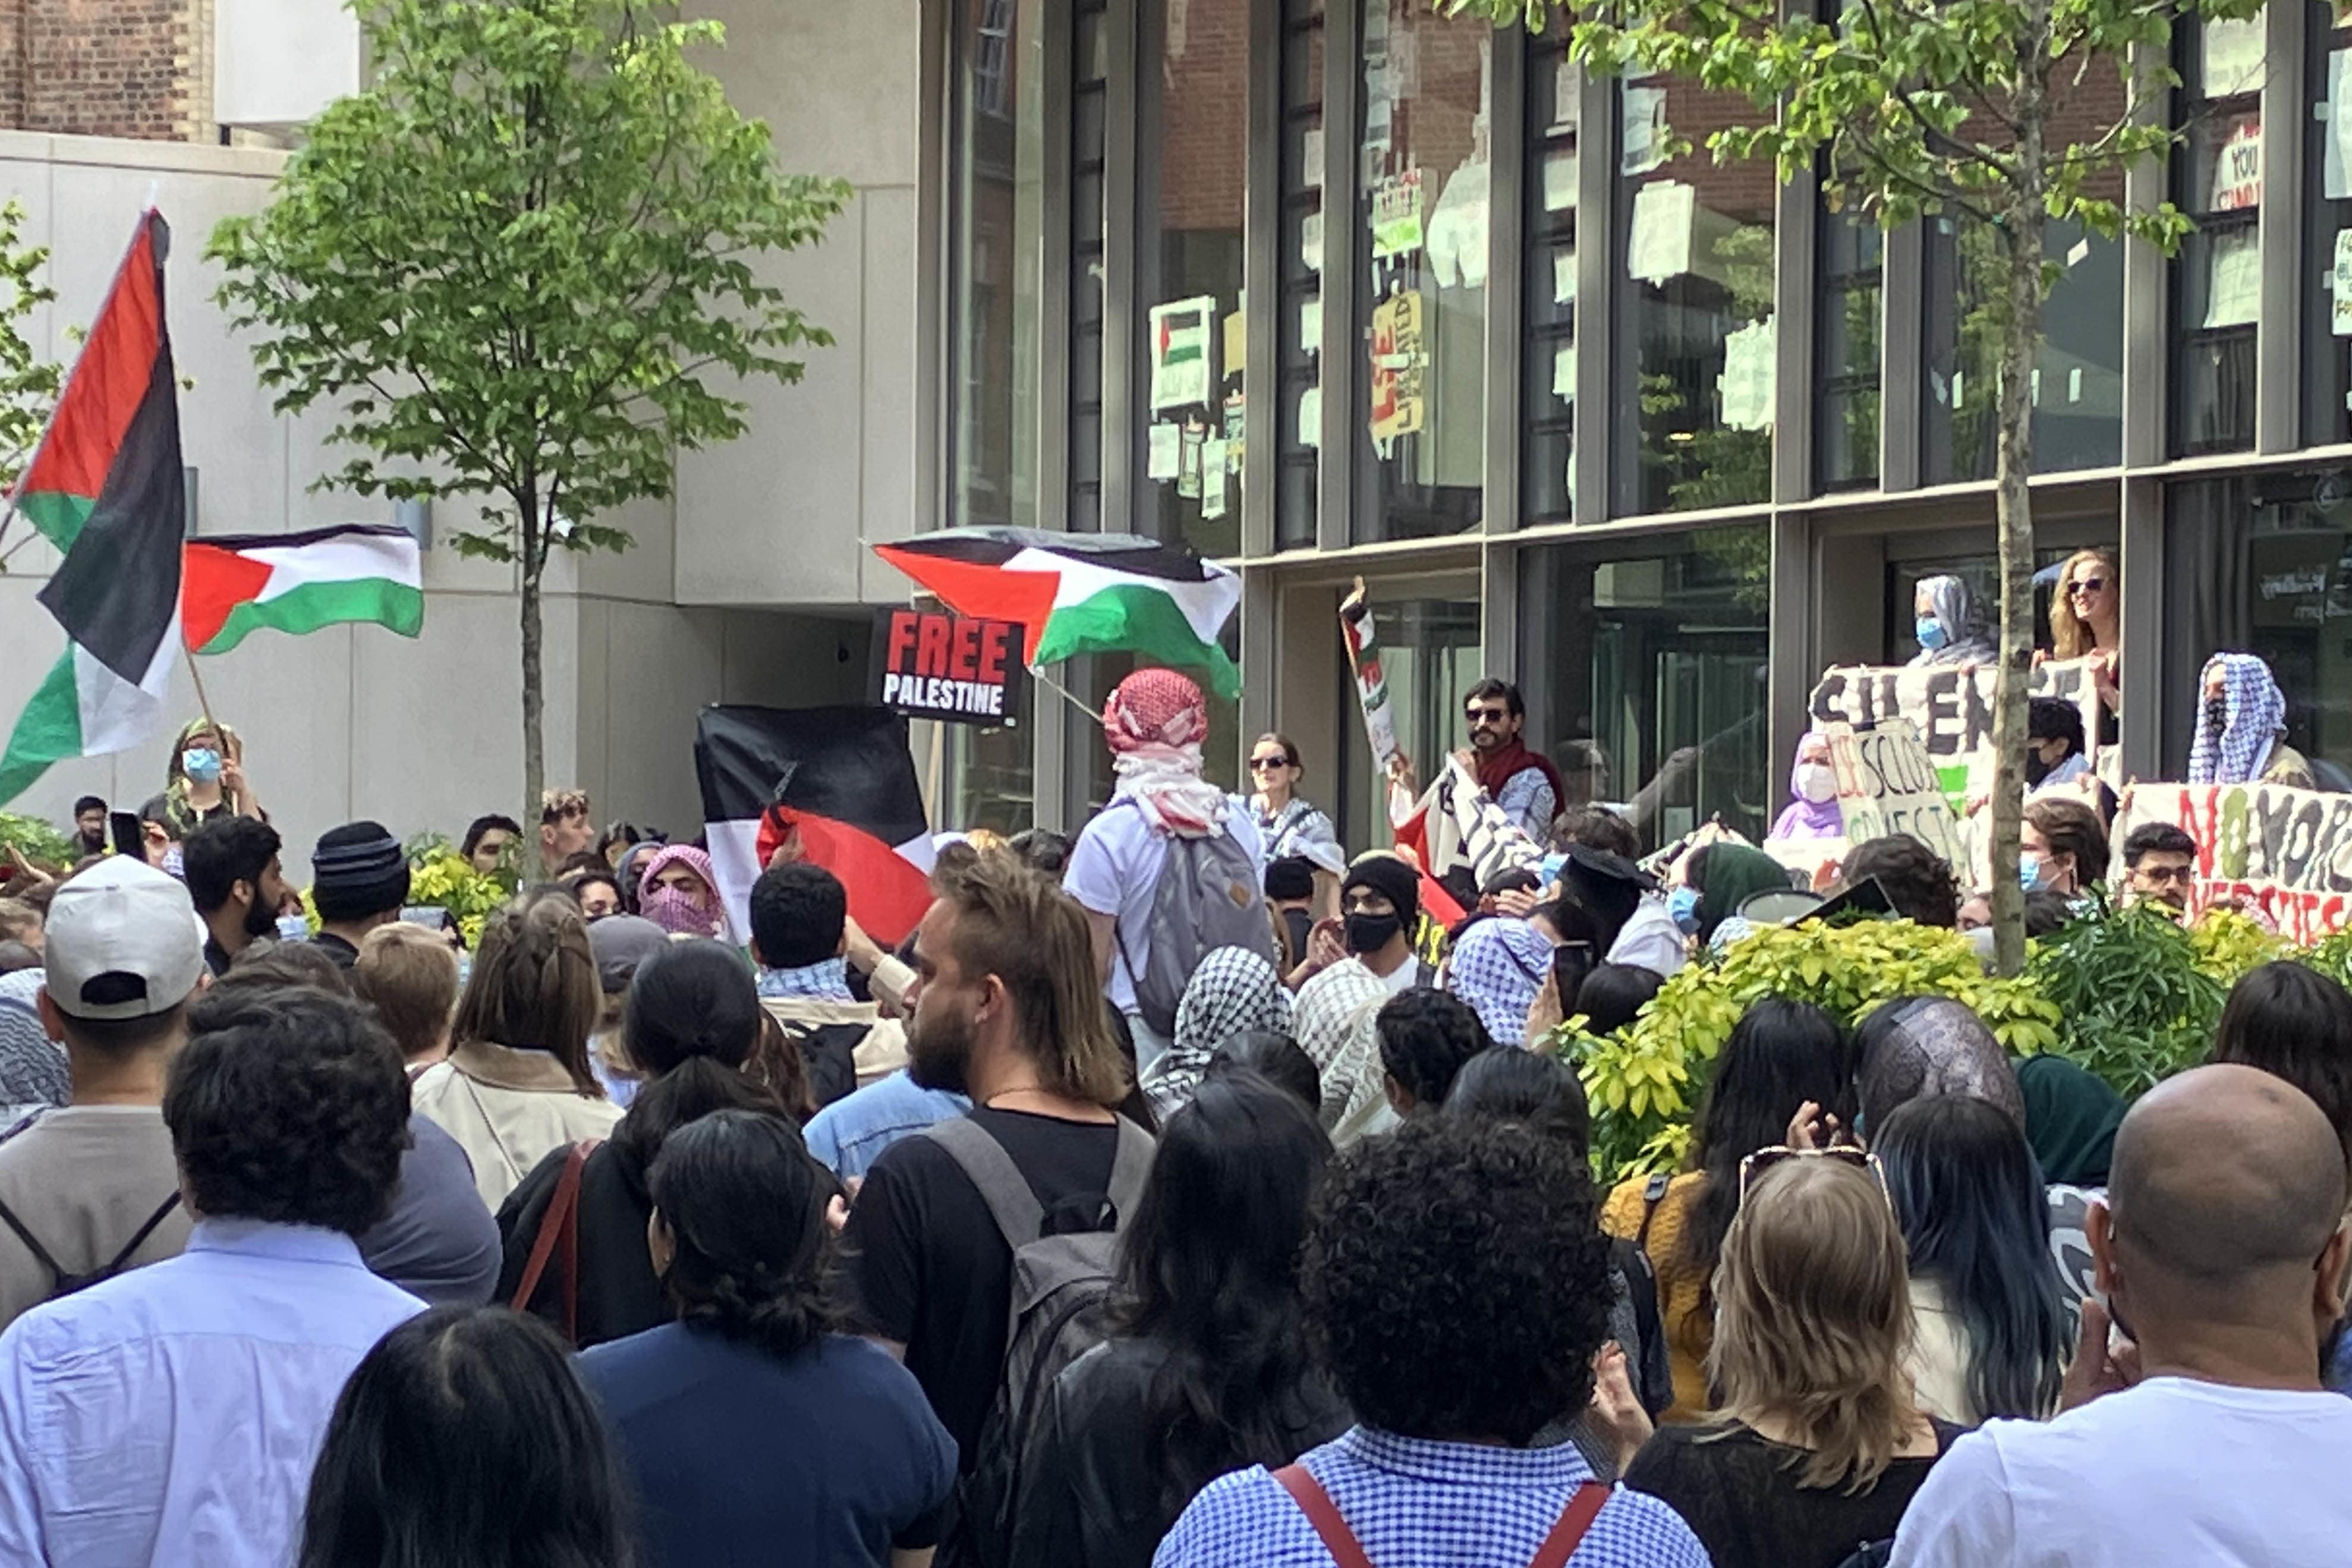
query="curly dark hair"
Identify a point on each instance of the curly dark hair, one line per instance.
(1455, 1280)
(290, 1105)
(1917, 881)
(1425, 1037)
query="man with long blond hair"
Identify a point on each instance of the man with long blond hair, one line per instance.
(1006, 1008)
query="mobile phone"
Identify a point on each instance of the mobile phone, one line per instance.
(1570, 962)
(124, 831)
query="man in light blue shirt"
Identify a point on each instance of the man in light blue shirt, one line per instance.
(171, 1414)
(850, 1134)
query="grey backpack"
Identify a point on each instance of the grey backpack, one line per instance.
(1209, 896)
(1059, 1310)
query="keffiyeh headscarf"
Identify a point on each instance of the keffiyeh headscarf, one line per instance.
(1155, 722)
(1233, 992)
(1334, 1022)
(677, 912)
(1932, 1045)
(2236, 732)
(1498, 967)
(32, 1065)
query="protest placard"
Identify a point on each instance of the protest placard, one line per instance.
(2286, 852)
(1951, 707)
(1888, 784)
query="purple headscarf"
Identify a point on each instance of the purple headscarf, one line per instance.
(674, 910)
(1806, 818)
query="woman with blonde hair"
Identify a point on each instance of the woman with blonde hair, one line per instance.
(516, 1084)
(202, 780)
(1816, 1445)
(2086, 621)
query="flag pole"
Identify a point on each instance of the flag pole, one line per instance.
(204, 703)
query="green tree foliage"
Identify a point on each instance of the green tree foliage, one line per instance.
(1973, 108)
(508, 265)
(28, 384)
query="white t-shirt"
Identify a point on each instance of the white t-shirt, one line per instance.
(1648, 941)
(1115, 867)
(2172, 1471)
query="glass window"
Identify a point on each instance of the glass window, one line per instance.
(1852, 281)
(2327, 228)
(2077, 383)
(1190, 172)
(1299, 411)
(1421, 262)
(997, 202)
(1648, 687)
(1693, 271)
(1430, 655)
(1548, 450)
(2262, 563)
(1090, 70)
(2217, 179)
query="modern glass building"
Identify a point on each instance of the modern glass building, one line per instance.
(1340, 289)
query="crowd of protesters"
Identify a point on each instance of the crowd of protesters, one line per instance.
(1178, 1193)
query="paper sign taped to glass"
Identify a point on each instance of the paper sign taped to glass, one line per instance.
(1399, 359)
(2233, 57)
(2284, 854)
(1397, 227)
(1745, 386)
(1646, 133)
(2339, 282)
(2335, 147)
(1212, 478)
(2238, 168)
(1183, 352)
(1659, 248)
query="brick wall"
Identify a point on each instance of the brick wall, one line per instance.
(107, 67)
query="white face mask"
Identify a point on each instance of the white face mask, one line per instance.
(1817, 782)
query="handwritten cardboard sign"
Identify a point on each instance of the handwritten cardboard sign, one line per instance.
(2286, 852)
(1887, 782)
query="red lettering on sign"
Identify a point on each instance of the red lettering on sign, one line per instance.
(991, 651)
(902, 639)
(966, 648)
(931, 651)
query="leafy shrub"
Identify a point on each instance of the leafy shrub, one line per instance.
(34, 838)
(2137, 994)
(1644, 1081)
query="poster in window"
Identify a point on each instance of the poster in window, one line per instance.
(1647, 136)
(2335, 146)
(2238, 169)
(2234, 281)
(2233, 57)
(2339, 280)
(1183, 352)
(1396, 216)
(1745, 385)
(1659, 248)
(1212, 478)
(1399, 400)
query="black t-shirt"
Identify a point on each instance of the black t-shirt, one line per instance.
(931, 1270)
(1739, 1493)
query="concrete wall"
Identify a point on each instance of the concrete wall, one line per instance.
(778, 518)
(355, 721)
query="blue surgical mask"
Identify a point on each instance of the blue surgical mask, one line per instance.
(293, 928)
(201, 763)
(1930, 633)
(1550, 868)
(1683, 904)
(2028, 872)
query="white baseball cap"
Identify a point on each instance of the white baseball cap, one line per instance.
(124, 942)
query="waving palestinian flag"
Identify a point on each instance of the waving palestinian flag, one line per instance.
(104, 485)
(1082, 593)
(298, 583)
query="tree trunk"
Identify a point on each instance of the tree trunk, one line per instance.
(2021, 337)
(534, 744)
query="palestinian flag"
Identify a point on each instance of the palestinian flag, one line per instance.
(1082, 593)
(841, 779)
(104, 485)
(298, 583)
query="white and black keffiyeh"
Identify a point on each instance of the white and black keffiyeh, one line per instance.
(1233, 990)
(1498, 967)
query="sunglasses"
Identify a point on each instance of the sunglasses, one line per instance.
(1486, 715)
(1267, 765)
(2082, 585)
(1763, 1160)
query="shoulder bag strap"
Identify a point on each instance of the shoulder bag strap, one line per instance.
(1130, 1167)
(1324, 1515)
(1577, 1518)
(559, 1222)
(138, 1238)
(1651, 1191)
(1002, 1187)
(40, 1254)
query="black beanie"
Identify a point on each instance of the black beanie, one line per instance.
(1391, 878)
(357, 870)
(1290, 877)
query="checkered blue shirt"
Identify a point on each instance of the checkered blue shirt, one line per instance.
(824, 981)
(1415, 1503)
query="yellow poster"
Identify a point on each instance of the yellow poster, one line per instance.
(1399, 362)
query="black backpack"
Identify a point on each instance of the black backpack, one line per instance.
(1059, 1310)
(829, 1055)
(63, 1283)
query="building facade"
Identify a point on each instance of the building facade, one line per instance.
(1327, 289)
(1659, 438)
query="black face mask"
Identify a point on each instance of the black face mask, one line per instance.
(1370, 934)
(2217, 713)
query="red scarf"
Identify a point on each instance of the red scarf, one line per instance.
(1496, 769)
